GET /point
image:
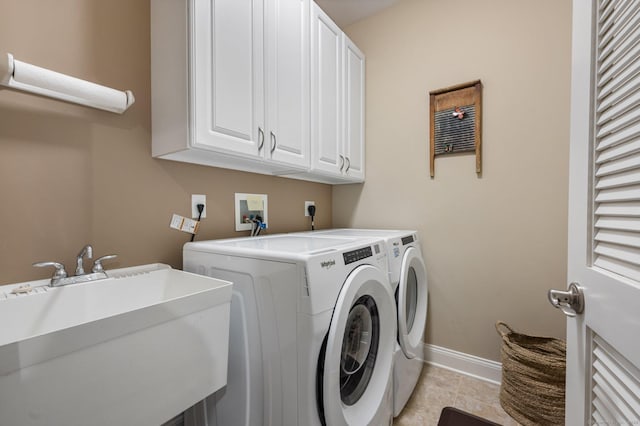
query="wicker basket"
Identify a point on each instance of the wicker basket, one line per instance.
(533, 377)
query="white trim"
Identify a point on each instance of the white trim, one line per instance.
(470, 365)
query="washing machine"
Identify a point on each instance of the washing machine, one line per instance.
(312, 330)
(408, 277)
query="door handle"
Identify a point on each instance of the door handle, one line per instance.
(571, 302)
(260, 138)
(348, 165)
(341, 163)
(274, 142)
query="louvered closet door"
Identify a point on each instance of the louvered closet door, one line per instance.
(603, 344)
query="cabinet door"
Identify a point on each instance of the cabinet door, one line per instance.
(287, 57)
(227, 75)
(353, 80)
(326, 100)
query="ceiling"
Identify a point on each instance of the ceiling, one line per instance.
(345, 12)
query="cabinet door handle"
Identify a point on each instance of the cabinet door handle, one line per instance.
(341, 163)
(260, 138)
(348, 165)
(274, 142)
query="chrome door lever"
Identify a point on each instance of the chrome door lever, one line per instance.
(571, 302)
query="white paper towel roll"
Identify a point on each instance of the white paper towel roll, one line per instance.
(48, 80)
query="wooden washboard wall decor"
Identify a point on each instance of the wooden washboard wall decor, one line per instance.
(456, 122)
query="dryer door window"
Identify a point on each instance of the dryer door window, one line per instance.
(412, 303)
(359, 349)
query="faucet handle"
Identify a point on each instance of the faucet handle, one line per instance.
(60, 271)
(97, 265)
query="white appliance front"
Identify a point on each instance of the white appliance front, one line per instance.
(357, 367)
(412, 299)
(286, 291)
(408, 278)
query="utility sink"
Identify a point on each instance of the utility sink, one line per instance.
(136, 348)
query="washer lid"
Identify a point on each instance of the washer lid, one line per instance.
(359, 351)
(412, 303)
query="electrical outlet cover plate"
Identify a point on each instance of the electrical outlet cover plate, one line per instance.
(306, 207)
(195, 200)
(247, 205)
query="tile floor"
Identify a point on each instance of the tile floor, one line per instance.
(439, 388)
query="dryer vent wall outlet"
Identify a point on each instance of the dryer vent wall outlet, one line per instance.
(306, 207)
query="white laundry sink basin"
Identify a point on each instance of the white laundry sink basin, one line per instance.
(136, 348)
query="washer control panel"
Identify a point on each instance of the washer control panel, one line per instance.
(407, 240)
(355, 255)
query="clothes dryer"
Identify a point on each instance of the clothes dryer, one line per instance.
(312, 330)
(408, 277)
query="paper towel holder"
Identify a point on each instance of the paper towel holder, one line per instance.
(44, 82)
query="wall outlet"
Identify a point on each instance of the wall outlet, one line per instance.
(195, 200)
(306, 207)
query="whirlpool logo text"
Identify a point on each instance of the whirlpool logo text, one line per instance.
(328, 264)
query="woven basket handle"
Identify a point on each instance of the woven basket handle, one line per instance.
(500, 325)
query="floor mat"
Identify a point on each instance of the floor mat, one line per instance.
(453, 417)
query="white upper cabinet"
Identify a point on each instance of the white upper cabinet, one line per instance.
(227, 75)
(353, 109)
(265, 86)
(230, 83)
(287, 58)
(337, 103)
(326, 93)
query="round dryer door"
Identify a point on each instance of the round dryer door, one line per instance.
(358, 360)
(412, 303)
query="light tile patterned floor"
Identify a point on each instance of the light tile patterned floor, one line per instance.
(439, 388)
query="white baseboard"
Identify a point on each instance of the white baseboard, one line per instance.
(459, 362)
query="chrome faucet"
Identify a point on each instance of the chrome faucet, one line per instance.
(86, 251)
(61, 278)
